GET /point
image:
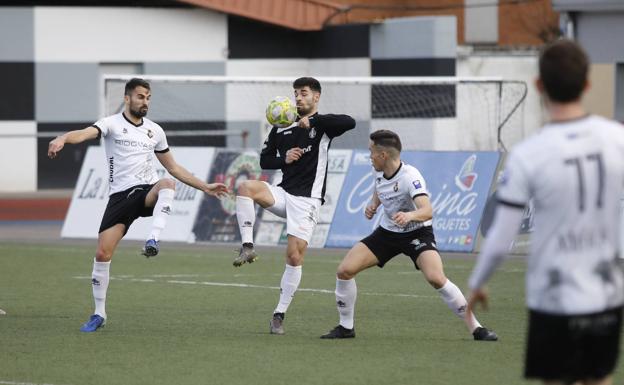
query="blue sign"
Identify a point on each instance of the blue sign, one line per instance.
(459, 184)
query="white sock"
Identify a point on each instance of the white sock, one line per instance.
(346, 294)
(99, 282)
(246, 216)
(457, 303)
(288, 287)
(162, 210)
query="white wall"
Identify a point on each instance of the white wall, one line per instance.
(125, 34)
(18, 156)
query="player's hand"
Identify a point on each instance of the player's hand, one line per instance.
(216, 189)
(293, 154)
(370, 211)
(55, 146)
(401, 218)
(476, 296)
(304, 123)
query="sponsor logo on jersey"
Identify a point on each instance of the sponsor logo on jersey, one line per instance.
(280, 130)
(125, 130)
(396, 187)
(134, 143)
(150, 134)
(466, 177)
(111, 168)
(312, 133)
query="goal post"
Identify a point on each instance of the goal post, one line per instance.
(428, 113)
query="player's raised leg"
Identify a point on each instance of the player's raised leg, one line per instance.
(250, 191)
(430, 263)
(107, 243)
(357, 259)
(160, 197)
(295, 251)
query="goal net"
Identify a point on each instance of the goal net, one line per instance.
(429, 113)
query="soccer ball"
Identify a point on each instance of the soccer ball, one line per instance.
(281, 112)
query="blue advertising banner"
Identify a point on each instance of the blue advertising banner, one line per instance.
(459, 183)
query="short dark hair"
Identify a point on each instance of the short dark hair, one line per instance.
(386, 138)
(134, 83)
(307, 81)
(563, 67)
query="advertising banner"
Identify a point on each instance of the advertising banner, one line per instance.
(91, 196)
(459, 183)
(216, 220)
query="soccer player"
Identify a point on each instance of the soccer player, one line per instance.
(130, 140)
(405, 228)
(573, 170)
(300, 151)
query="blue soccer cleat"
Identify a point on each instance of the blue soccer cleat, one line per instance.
(95, 322)
(151, 248)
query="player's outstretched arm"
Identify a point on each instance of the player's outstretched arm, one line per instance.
(333, 124)
(71, 137)
(497, 244)
(184, 176)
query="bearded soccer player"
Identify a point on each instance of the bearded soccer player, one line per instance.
(131, 141)
(300, 151)
(573, 171)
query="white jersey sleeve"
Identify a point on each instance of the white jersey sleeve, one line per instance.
(514, 185)
(105, 125)
(161, 145)
(416, 183)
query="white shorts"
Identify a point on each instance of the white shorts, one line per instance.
(301, 213)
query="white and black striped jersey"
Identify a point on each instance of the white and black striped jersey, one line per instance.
(306, 176)
(397, 194)
(130, 150)
(574, 173)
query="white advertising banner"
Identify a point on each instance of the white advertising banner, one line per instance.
(91, 196)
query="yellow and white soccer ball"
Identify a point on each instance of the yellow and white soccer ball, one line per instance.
(281, 112)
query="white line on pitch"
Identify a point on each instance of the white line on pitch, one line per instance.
(251, 286)
(20, 383)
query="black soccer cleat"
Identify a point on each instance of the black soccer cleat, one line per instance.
(483, 334)
(246, 254)
(339, 332)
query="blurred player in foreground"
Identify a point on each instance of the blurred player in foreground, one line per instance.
(573, 170)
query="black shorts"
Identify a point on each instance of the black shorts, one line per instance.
(387, 244)
(572, 348)
(126, 206)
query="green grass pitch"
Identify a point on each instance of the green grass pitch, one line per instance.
(189, 317)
